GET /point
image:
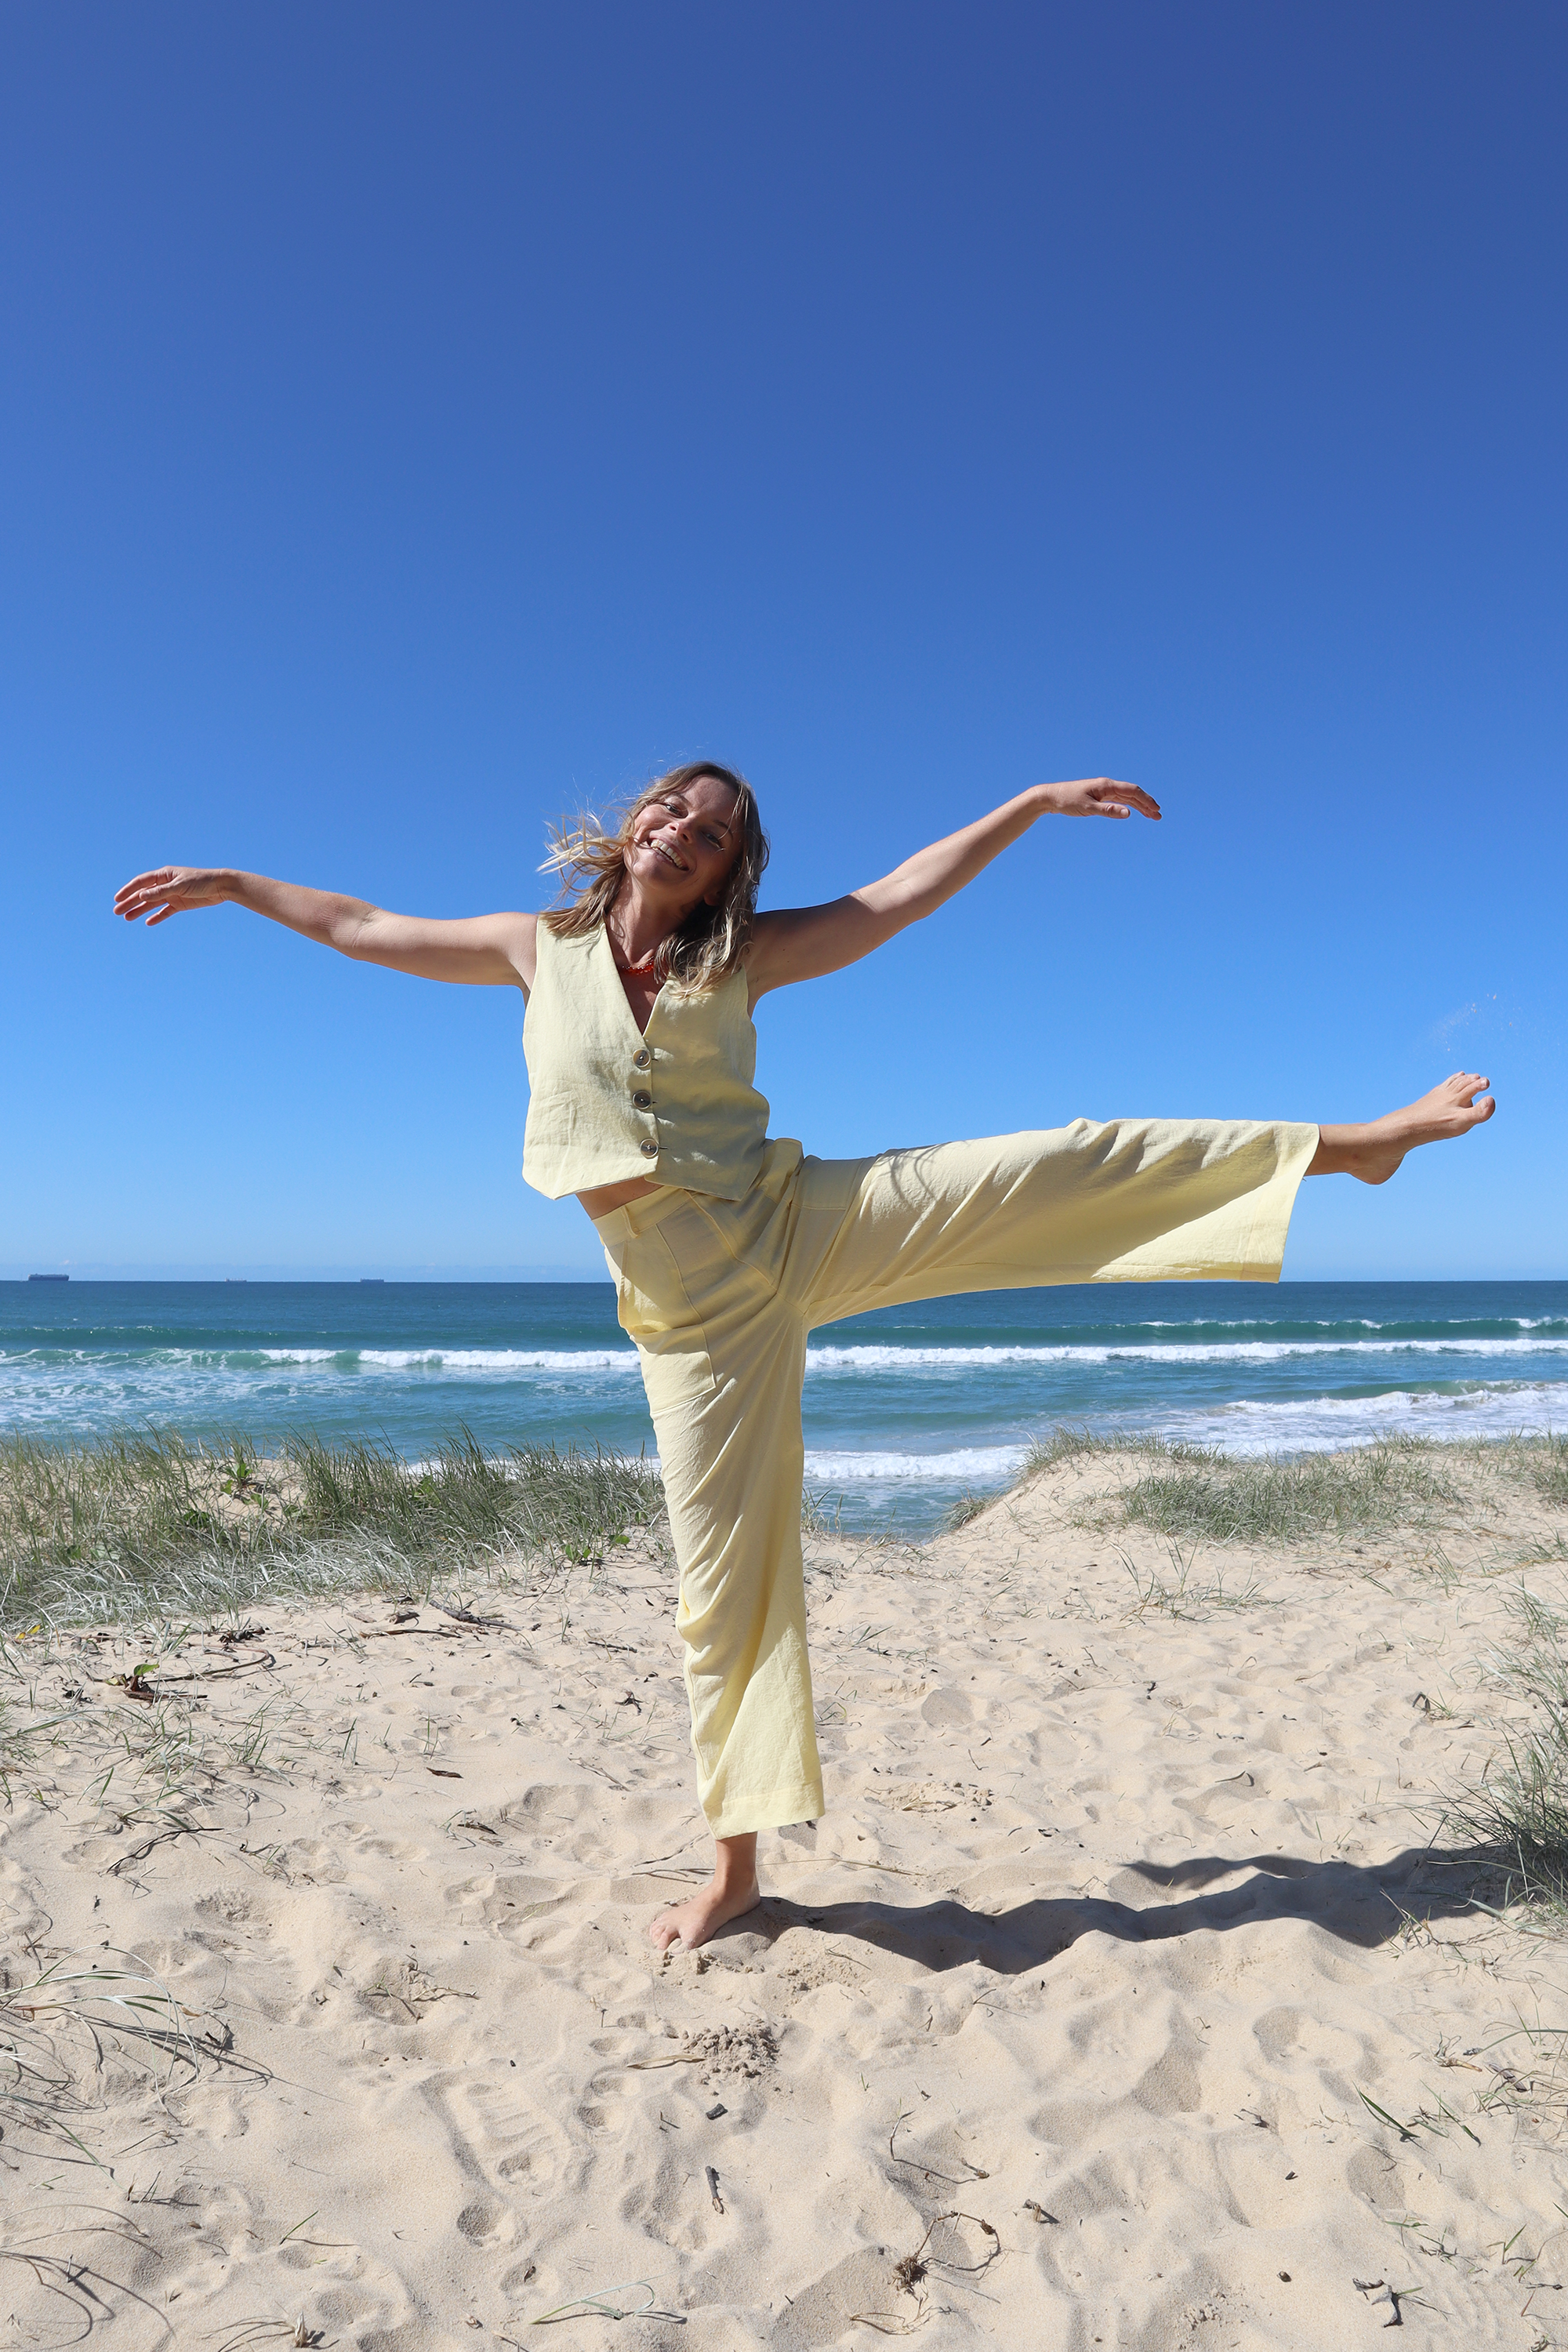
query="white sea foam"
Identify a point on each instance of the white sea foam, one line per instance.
(965, 1466)
(1219, 1351)
(1247, 1427)
(457, 1360)
(1323, 1424)
(856, 1360)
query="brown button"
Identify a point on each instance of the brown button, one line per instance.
(641, 1059)
(643, 1102)
(649, 1151)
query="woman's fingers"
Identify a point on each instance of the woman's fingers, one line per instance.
(1107, 797)
(172, 889)
(1127, 796)
(145, 900)
(146, 890)
(140, 886)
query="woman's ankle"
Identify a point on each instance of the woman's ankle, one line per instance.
(735, 1861)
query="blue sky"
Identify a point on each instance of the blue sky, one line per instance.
(422, 420)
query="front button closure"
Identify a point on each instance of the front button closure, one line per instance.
(649, 1151)
(643, 1102)
(640, 1060)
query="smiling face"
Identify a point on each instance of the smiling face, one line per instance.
(684, 843)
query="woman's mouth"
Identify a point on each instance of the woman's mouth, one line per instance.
(668, 854)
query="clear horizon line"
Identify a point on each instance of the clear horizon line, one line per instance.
(98, 1270)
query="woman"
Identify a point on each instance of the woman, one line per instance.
(727, 1248)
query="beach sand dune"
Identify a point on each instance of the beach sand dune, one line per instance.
(1118, 2000)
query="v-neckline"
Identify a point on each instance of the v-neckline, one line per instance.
(620, 991)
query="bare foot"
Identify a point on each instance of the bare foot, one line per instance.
(731, 1890)
(1375, 1151)
(693, 1922)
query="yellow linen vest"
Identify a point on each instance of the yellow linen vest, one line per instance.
(606, 1103)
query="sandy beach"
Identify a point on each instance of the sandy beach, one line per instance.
(1129, 1994)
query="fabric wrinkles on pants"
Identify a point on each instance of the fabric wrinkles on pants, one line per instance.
(720, 1295)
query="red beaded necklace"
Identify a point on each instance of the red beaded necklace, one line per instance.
(639, 970)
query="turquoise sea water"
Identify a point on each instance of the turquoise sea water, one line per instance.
(904, 1410)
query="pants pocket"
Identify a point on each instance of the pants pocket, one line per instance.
(655, 1304)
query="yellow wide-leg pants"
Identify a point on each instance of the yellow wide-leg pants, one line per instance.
(720, 1296)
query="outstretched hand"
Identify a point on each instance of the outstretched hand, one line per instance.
(1098, 796)
(170, 890)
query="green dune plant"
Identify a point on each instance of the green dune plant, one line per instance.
(1547, 1463)
(1194, 1493)
(1517, 1812)
(147, 1521)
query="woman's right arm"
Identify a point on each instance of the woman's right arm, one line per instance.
(482, 950)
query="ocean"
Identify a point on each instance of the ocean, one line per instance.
(906, 1411)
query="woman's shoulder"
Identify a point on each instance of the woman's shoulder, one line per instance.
(566, 942)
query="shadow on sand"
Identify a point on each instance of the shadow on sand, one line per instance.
(1359, 1906)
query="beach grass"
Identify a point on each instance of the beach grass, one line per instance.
(1182, 1592)
(1517, 1812)
(147, 1522)
(1213, 1498)
(1546, 1463)
(1065, 1444)
(64, 2029)
(1200, 1493)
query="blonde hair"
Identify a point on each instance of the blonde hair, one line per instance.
(591, 859)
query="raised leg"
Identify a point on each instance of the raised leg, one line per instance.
(1374, 1150)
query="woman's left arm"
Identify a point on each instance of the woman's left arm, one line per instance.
(802, 943)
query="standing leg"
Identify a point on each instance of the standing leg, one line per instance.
(722, 1359)
(733, 1461)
